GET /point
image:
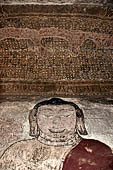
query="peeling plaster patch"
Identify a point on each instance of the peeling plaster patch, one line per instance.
(88, 149)
(26, 130)
(86, 161)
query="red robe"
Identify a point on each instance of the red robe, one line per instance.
(89, 154)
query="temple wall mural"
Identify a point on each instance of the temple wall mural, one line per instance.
(23, 146)
(56, 85)
(55, 50)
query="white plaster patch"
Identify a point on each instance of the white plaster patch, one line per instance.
(88, 149)
(86, 161)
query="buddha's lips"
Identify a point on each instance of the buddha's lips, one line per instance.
(56, 131)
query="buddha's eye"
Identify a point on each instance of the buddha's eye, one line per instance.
(47, 116)
(66, 115)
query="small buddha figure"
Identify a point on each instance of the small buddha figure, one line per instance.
(56, 126)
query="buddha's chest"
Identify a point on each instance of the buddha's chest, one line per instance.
(50, 164)
(44, 159)
(51, 159)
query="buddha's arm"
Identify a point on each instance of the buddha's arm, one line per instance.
(20, 156)
(7, 162)
(12, 157)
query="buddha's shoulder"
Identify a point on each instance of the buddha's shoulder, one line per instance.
(23, 144)
(24, 154)
(24, 147)
(92, 146)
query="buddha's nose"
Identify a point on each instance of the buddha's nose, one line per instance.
(57, 119)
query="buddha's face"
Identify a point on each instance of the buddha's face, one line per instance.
(57, 121)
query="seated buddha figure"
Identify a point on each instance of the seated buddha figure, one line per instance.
(56, 126)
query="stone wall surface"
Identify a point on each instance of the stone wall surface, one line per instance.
(14, 124)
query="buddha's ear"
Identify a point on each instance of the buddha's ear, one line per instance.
(33, 123)
(80, 123)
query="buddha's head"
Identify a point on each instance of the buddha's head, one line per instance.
(56, 120)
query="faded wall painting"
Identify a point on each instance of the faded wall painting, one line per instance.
(56, 50)
(56, 126)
